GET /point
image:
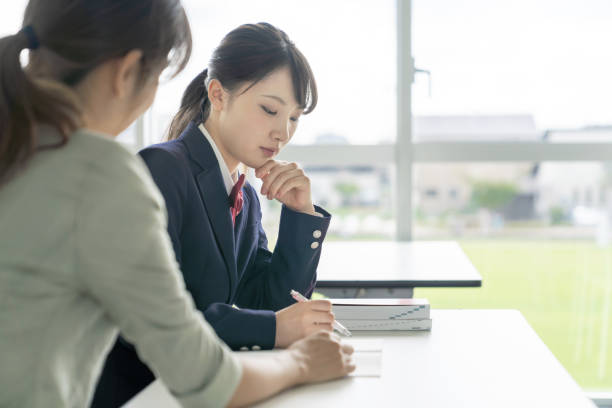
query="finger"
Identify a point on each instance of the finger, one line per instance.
(350, 367)
(326, 335)
(282, 179)
(347, 349)
(282, 166)
(263, 170)
(323, 326)
(301, 182)
(272, 175)
(279, 168)
(321, 317)
(322, 305)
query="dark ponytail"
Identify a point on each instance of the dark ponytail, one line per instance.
(67, 39)
(246, 55)
(194, 105)
(21, 100)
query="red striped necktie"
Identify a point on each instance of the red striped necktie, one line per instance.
(235, 198)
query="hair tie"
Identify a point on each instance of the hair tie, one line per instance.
(33, 42)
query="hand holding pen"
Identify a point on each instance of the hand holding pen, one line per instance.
(302, 319)
(336, 325)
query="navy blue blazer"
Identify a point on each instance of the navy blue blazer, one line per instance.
(223, 265)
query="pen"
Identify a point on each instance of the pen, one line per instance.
(336, 325)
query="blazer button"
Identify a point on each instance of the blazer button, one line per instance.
(244, 348)
(255, 348)
(316, 234)
(314, 245)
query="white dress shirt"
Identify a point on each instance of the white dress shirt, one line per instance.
(228, 180)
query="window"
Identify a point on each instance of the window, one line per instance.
(537, 250)
(512, 70)
(356, 65)
(359, 198)
(431, 193)
(12, 16)
(514, 114)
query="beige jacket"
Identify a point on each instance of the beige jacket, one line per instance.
(84, 253)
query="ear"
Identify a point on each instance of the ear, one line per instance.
(217, 95)
(126, 73)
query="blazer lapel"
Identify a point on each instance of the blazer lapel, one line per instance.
(212, 191)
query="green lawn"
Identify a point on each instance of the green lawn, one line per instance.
(564, 289)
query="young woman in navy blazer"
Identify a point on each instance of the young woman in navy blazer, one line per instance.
(244, 108)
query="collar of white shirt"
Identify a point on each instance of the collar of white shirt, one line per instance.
(228, 180)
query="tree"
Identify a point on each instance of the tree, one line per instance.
(492, 195)
(348, 191)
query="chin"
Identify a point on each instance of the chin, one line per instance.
(254, 163)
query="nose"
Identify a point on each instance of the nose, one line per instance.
(283, 133)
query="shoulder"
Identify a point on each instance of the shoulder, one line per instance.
(168, 164)
(111, 170)
(172, 154)
(106, 157)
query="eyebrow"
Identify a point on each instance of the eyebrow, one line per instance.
(277, 98)
(282, 101)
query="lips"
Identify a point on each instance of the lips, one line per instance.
(269, 152)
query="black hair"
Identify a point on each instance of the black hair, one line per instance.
(246, 55)
(67, 39)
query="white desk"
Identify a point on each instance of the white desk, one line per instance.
(471, 358)
(392, 268)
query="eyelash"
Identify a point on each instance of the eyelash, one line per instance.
(268, 111)
(272, 113)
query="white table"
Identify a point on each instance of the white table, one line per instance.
(392, 268)
(471, 358)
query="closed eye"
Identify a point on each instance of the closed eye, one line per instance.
(268, 111)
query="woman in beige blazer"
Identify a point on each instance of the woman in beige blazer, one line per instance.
(84, 250)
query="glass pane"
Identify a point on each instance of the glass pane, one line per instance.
(128, 137)
(540, 234)
(356, 65)
(11, 17)
(359, 199)
(513, 69)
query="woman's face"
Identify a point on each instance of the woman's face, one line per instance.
(255, 125)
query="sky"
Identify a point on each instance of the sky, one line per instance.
(548, 58)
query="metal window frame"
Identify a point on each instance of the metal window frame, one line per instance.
(343, 155)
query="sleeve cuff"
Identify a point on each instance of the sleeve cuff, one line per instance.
(259, 328)
(240, 328)
(322, 211)
(306, 228)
